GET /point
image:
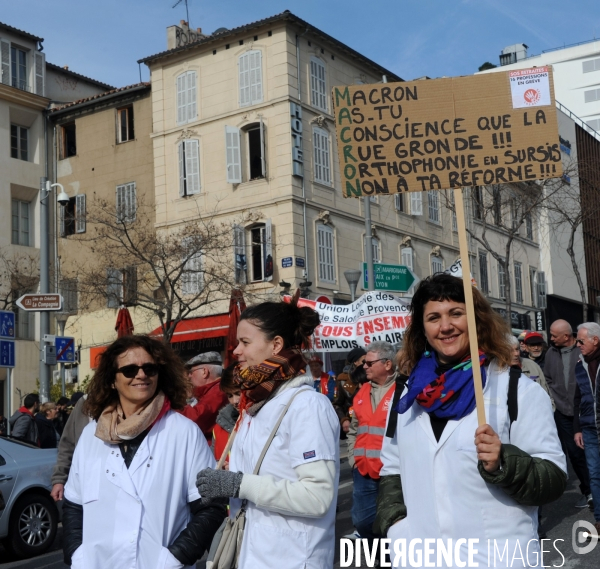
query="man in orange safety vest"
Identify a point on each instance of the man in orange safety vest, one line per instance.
(367, 429)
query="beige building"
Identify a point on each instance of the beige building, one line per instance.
(27, 87)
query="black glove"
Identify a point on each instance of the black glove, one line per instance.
(219, 483)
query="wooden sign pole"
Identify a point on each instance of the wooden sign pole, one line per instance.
(466, 276)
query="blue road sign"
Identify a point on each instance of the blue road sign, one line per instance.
(7, 324)
(300, 262)
(286, 262)
(7, 353)
(65, 350)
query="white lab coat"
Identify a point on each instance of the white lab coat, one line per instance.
(444, 493)
(309, 432)
(131, 516)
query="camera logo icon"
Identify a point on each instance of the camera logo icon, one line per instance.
(584, 537)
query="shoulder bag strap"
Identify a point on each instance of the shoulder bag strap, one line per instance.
(513, 392)
(274, 431)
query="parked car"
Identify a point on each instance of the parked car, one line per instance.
(28, 515)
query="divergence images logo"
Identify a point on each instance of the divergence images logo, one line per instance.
(532, 96)
(584, 537)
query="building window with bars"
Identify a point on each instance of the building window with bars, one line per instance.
(318, 84)
(326, 254)
(21, 223)
(518, 282)
(19, 142)
(484, 283)
(125, 131)
(126, 203)
(187, 109)
(250, 78)
(433, 202)
(501, 281)
(322, 162)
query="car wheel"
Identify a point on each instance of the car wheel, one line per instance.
(32, 527)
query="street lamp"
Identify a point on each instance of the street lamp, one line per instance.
(352, 278)
(63, 200)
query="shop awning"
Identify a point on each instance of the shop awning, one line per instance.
(198, 328)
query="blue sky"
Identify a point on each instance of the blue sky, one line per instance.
(104, 39)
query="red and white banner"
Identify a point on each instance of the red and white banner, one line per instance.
(374, 317)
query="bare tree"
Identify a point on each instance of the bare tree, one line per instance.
(171, 273)
(19, 273)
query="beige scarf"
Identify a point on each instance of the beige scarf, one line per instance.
(114, 428)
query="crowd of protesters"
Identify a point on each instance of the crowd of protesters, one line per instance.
(140, 487)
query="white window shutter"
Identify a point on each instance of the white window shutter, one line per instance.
(256, 88)
(325, 253)
(192, 111)
(131, 201)
(416, 203)
(318, 84)
(79, 213)
(40, 72)
(181, 99)
(120, 203)
(114, 288)
(5, 61)
(263, 161)
(233, 155)
(192, 167)
(191, 278)
(244, 79)
(322, 165)
(62, 221)
(239, 255)
(407, 257)
(268, 261)
(182, 168)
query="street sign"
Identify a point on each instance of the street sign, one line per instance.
(395, 278)
(300, 262)
(40, 302)
(7, 353)
(286, 262)
(7, 324)
(65, 350)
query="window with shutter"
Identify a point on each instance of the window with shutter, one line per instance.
(318, 84)
(39, 64)
(322, 166)
(129, 285)
(126, 203)
(484, 281)
(191, 278)
(186, 97)
(114, 288)
(501, 281)
(239, 255)
(375, 247)
(233, 155)
(250, 78)
(80, 213)
(192, 109)
(189, 168)
(326, 254)
(5, 61)
(416, 203)
(261, 252)
(407, 257)
(433, 202)
(68, 290)
(518, 282)
(437, 265)
(533, 286)
(268, 251)
(399, 202)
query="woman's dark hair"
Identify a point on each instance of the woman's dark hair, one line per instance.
(226, 384)
(172, 377)
(294, 324)
(491, 328)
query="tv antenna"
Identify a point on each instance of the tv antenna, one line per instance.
(187, 12)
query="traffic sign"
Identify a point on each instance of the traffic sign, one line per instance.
(65, 350)
(7, 324)
(395, 278)
(40, 302)
(7, 353)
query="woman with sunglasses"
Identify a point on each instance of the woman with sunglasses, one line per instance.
(443, 476)
(131, 499)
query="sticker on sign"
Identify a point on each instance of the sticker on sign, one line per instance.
(530, 88)
(40, 302)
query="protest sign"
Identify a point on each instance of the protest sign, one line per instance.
(374, 317)
(447, 133)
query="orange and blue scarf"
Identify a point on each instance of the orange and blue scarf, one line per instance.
(450, 395)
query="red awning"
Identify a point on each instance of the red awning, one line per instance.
(198, 328)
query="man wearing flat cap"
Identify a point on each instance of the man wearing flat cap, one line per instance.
(204, 371)
(534, 344)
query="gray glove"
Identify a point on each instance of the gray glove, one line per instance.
(219, 483)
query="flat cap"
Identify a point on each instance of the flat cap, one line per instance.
(213, 358)
(534, 338)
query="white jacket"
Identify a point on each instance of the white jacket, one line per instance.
(309, 434)
(444, 493)
(131, 516)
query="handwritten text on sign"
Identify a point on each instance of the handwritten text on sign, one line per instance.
(442, 133)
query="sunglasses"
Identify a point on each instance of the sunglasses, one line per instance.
(130, 371)
(370, 363)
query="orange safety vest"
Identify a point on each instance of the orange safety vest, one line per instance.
(371, 430)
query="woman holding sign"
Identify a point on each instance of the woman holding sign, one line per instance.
(445, 478)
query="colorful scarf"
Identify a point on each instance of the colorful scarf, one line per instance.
(449, 396)
(261, 381)
(114, 428)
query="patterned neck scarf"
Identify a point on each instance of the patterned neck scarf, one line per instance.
(260, 381)
(449, 396)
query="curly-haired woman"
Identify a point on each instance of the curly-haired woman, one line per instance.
(131, 499)
(443, 476)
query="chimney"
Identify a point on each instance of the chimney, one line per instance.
(513, 53)
(178, 36)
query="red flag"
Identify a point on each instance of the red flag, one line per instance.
(124, 325)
